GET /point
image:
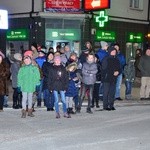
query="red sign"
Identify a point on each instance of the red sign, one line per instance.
(96, 4)
(60, 4)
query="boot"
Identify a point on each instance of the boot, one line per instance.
(66, 115)
(88, 110)
(71, 111)
(97, 104)
(39, 103)
(30, 113)
(23, 113)
(57, 115)
(20, 100)
(33, 110)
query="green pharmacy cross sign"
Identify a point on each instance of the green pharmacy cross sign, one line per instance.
(102, 18)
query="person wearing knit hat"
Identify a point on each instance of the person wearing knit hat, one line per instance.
(58, 83)
(28, 53)
(104, 45)
(110, 71)
(14, 69)
(28, 80)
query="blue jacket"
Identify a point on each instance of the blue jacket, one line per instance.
(101, 54)
(72, 89)
(40, 61)
(122, 61)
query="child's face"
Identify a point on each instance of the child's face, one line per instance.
(27, 61)
(71, 69)
(90, 58)
(113, 53)
(50, 57)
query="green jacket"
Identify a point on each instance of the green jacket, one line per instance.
(28, 78)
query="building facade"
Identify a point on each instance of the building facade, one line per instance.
(128, 24)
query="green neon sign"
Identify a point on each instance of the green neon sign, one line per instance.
(63, 34)
(102, 18)
(105, 35)
(17, 34)
(135, 37)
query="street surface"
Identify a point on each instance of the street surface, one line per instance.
(126, 128)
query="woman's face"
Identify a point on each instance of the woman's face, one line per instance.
(50, 57)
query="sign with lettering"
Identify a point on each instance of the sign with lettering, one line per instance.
(105, 35)
(90, 5)
(17, 35)
(63, 4)
(135, 37)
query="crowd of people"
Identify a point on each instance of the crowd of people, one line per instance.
(40, 74)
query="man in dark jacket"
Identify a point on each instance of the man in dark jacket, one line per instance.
(110, 72)
(145, 73)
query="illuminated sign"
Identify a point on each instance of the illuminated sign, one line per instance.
(105, 35)
(101, 19)
(135, 37)
(3, 19)
(63, 4)
(90, 5)
(17, 34)
(63, 34)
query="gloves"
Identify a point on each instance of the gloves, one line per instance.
(19, 89)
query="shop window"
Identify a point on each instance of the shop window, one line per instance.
(136, 4)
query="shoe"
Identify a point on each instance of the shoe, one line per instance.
(89, 111)
(6, 105)
(48, 109)
(92, 106)
(15, 107)
(113, 108)
(142, 98)
(30, 113)
(51, 109)
(147, 98)
(108, 109)
(71, 111)
(57, 115)
(66, 115)
(97, 106)
(119, 99)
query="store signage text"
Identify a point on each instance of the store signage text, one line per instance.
(105, 35)
(60, 4)
(17, 34)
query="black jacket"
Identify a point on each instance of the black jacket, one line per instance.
(110, 64)
(58, 78)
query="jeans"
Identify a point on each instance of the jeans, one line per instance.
(108, 95)
(63, 99)
(90, 95)
(128, 85)
(77, 99)
(49, 98)
(96, 93)
(101, 91)
(118, 86)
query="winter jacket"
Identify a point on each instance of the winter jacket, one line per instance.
(45, 69)
(122, 61)
(57, 78)
(101, 54)
(72, 89)
(4, 74)
(40, 61)
(89, 71)
(14, 69)
(144, 66)
(110, 64)
(129, 71)
(28, 78)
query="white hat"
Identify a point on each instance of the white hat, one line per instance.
(103, 44)
(18, 56)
